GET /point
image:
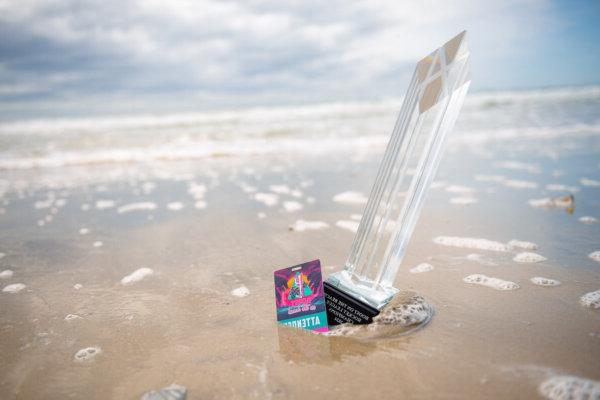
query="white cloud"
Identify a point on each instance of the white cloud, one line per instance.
(299, 50)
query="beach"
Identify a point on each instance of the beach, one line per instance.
(150, 241)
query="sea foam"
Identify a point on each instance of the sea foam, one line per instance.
(565, 387)
(463, 201)
(351, 226)
(350, 197)
(558, 202)
(589, 182)
(292, 206)
(527, 257)
(470, 243)
(137, 276)
(14, 288)
(175, 206)
(591, 299)
(280, 189)
(423, 267)
(141, 206)
(6, 274)
(494, 283)
(302, 225)
(104, 204)
(87, 354)
(520, 184)
(540, 281)
(595, 255)
(588, 220)
(459, 189)
(406, 312)
(241, 291)
(268, 199)
(522, 245)
(561, 188)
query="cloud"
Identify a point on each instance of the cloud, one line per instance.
(226, 53)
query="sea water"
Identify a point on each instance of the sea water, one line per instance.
(137, 251)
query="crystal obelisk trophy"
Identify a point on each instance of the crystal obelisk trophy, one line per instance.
(431, 105)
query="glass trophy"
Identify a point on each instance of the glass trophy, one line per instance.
(430, 108)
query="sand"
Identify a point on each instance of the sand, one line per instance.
(205, 317)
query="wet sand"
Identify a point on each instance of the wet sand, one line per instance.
(182, 323)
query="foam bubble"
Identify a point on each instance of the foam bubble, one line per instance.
(595, 255)
(268, 199)
(527, 257)
(38, 205)
(141, 206)
(77, 286)
(84, 231)
(302, 225)
(137, 276)
(279, 189)
(6, 274)
(521, 166)
(248, 188)
(423, 267)
(14, 288)
(589, 182)
(104, 204)
(463, 201)
(522, 245)
(565, 387)
(196, 190)
(292, 206)
(71, 317)
(459, 189)
(558, 202)
(406, 312)
(437, 184)
(175, 206)
(87, 354)
(540, 281)
(470, 243)
(513, 183)
(241, 291)
(350, 197)
(348, 225)
(591, 299)
(490, 178)
(296, 193)
(200, 204)
(555, 187)
(98, 243)
(494, 283)
(588, 220)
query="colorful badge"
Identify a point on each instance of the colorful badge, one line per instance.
(299, 297)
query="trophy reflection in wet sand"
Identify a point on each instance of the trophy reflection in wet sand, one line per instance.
(431, 105)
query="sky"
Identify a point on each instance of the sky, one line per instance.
(74, 57)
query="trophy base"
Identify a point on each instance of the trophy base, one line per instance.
(343, 308)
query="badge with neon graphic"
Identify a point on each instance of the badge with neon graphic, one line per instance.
(299, 297)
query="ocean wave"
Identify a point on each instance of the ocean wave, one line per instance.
(331, 127)
(193, 152)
